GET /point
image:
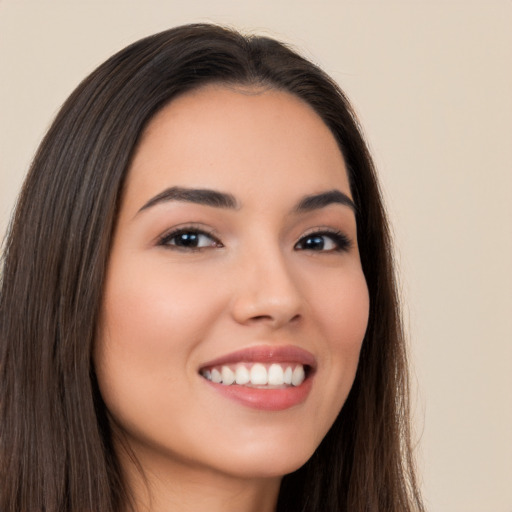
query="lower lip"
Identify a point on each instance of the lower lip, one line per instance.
(266, 399)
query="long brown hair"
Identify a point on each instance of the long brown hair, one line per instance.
(55, 439)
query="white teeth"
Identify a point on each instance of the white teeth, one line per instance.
(242, 375)
(298, 375)
(228, 375)
(275, 375)
(257, 375)
(216, 376)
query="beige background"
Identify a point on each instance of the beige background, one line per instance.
(432, 82)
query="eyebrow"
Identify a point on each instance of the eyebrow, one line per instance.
(323, 199)
(205, 197)
(218, 199)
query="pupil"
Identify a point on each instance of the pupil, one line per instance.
(314, 242)
(187, 240)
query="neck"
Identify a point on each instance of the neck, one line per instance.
(167, 485)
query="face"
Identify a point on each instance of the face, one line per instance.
(235, 304)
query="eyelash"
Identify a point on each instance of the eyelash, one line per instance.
(188, 230)
(341, 241)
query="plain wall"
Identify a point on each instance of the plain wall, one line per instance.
(432, 83)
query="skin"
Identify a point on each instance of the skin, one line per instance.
(168, 310)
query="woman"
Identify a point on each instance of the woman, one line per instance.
(198, 307)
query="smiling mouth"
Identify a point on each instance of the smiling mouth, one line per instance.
(264, 377)
(258, 375)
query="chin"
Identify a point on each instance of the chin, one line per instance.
(269, 461)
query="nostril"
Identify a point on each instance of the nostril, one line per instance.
(262, 317)
(274, 319)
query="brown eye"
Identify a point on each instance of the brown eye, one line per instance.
(189, 239)
(323, 241)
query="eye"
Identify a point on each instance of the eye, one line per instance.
(189, 239)
(326, 241)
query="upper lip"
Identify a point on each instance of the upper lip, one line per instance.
(266, 354)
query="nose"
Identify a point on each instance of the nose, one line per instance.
(267, 292)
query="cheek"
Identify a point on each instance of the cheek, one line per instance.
(342, 306)
(151, 323)
(157, 310)
(342, 309)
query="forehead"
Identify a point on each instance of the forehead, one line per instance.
(238, 139)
